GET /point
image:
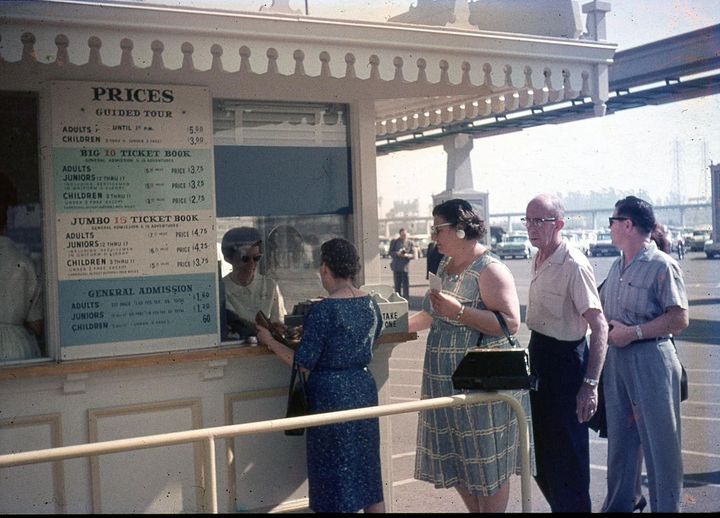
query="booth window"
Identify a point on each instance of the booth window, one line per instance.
(22, 336)
(283, 179)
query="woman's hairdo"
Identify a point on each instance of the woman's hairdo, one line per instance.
(638, 211)
(461, 215)
(341, 257)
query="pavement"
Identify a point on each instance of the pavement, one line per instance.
(699, 351)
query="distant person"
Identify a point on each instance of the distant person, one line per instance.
(563, 303)
(645, 301)
(21, 311)
(474, 448)
(433, 259)
(402, 251)
(681, 248)
(246, 290)
(343, 459)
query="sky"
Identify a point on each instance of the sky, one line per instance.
(645, 148)
(635, 149)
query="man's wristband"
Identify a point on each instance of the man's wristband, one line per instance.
(460, 313)
(591, 382)
(638, 332)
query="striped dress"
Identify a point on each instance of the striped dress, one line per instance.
(475, 447)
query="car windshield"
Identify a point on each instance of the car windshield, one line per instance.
(603, 237)
(516, 239)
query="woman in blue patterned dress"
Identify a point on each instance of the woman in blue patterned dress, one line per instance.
(343, 459)
(473, 448)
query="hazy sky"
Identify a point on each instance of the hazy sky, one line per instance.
(633, 149)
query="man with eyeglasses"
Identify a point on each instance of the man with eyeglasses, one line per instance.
(563, 303)
(402, 251)
(246, 290)
(646, 303)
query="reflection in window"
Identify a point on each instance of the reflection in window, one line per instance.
(283, 170)
(21, 269)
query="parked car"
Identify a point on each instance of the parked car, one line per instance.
(515, 244)
(712, 249)
(384, 246)
(697, 240)
(421, 242)
(580, 239)
(603, 245)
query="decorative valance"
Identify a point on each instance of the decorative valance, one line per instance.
(418, 75)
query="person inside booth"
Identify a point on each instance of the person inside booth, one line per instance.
(247, 291)
(21, 317)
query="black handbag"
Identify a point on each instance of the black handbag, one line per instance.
(297, 398)
(495, 369)
(684, 390)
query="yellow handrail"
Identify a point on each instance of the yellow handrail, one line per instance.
(209, 435)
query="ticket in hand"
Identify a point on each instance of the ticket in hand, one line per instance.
(435, 282)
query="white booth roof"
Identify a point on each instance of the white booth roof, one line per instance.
(418, 75)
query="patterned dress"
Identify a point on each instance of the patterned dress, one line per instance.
(476, 446)
(343, 459)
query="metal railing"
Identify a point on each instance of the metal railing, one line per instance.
(209, 435)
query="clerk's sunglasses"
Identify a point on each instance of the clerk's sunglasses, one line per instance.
(254, 258)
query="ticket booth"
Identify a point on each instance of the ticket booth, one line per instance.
(134, 137)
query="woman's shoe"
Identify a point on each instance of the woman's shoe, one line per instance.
(640, 504)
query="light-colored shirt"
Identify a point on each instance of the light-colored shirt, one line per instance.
(644, 289)
(561, 290)
(262, 294)
(20, 302)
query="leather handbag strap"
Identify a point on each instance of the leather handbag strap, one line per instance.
(501, 320)
(300, 377)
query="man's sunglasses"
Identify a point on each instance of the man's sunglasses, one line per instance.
(247, 258)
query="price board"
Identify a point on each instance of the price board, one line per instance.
(133, 188)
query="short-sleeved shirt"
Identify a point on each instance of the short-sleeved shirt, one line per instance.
(561, 291)
(644, 289)
(262, 293)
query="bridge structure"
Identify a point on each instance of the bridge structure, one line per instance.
(679, 215)
(669, 70)
(672, 69)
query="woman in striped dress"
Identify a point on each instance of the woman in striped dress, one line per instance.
(472, 448)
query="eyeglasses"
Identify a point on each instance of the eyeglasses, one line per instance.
(536, 222)
(247, 258)
(434, 229)
(613, 219)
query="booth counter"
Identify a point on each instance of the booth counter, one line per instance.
(80, 401)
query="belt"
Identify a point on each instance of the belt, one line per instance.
(654, 340)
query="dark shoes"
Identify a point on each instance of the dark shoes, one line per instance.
(640, 505)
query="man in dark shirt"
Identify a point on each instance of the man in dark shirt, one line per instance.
(402, 251)
(433, 259)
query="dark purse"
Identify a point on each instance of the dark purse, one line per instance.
(684, 391)
(495, 369)
(297, 398)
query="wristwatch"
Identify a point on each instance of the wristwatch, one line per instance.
(591, 382)
(460, 313)
(638, 332)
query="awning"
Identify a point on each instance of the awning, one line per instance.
(417, 75)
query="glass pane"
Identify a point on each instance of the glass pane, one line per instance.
(22, 336)
(283, 187)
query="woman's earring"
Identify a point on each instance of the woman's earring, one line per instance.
(460, 233)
